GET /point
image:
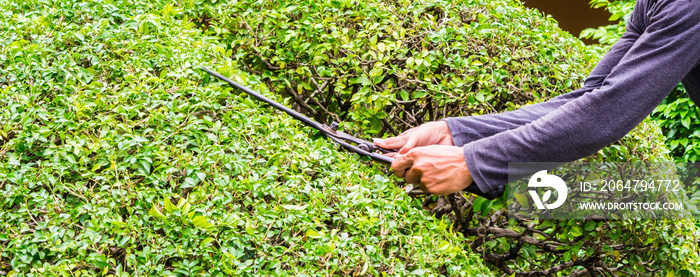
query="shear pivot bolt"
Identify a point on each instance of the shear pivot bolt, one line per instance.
(364, 147)
(334, 126)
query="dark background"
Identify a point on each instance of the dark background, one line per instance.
(573, 15)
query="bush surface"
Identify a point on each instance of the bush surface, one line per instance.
(117, 158)
(386, 66)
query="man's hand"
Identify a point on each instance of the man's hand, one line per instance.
(431, 133)
(438, 169)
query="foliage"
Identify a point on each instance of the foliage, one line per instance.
(118, 157)
(677, 115)
(385, 66)
(619, 14)
(528, 247)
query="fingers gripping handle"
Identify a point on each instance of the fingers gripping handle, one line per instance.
(473, 188)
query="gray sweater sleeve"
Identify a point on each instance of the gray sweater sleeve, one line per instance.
(663, 53)
(467, 129)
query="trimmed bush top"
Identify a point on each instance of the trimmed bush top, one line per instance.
(117, 158)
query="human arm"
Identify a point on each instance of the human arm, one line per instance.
(663, 54)
(470, 128)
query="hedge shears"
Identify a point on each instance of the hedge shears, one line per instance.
(352, 144)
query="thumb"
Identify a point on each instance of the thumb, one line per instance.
(391, 143)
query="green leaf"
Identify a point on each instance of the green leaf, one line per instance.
(477, 203)
(201, 222)
(206, 242)
(419, 94)
(443, 246)
(313, 234)
(410, 61)
(576, 231)
(146, 165)
(156, 213)
(249, 229)
(381, 47)
(479, 96)
(521, 199)
(567, 256)
(365, 267)
(486, 207)
(169, 207)
(686, 122)
(189, 182)
(13, 160)
(404, 95)
(589, 226)
(363, 80)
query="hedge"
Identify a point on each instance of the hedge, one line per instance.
(385, 66)
(118, 158)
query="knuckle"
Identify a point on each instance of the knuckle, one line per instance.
(418, 166)
(398, 159)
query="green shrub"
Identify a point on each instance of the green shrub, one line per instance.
(390, 65)
(385, 66)
(118, 158)
(679, 117)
